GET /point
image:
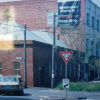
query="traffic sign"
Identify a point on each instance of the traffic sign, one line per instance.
(65, 83)
(66, 56)
(19, 57)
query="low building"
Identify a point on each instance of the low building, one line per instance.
(38, 55)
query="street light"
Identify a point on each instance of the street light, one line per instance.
(53, 53)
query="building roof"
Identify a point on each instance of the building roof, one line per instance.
(14, 31)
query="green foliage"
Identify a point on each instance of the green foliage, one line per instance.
(6, 15)
(59, 86)
(81, 86)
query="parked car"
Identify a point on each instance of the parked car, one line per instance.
(10, 84)
(96, 80)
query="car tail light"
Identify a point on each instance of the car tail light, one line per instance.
(0, 86)
(16, 85)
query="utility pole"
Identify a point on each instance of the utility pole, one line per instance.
(25, 69)
(53, 53)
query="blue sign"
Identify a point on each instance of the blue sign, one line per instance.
(68, 12)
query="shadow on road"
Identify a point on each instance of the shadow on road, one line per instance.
(15, 97)
(12, 98)
(25, 94)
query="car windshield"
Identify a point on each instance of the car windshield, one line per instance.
(8, 79)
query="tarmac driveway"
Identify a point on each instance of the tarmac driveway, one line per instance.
(37, 93)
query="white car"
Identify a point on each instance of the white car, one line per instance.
(10, 84)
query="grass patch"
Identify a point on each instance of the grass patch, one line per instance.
(81, 86)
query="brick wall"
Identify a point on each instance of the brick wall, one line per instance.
(34, 14)
(7, 58)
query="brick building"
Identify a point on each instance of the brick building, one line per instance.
(37, 15)
(38, 55)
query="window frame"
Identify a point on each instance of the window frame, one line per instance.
(88, 19)
(16, 69)
(93, 22)
(98, 22)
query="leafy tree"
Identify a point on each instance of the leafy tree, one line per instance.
(4, 43)
(6, 15)
(74, 38)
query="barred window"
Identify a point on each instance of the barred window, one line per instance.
(97, 25)
(16, 67)
(74, 70)
(70, 71)
(60, 69)
(92, 47)
(88, 19)
(0, 68)
(87, 45)
(93, 23)
(55, 69)
(49, 69)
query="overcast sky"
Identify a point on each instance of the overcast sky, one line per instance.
(95, 1)
(8, 0)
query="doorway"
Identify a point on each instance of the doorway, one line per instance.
(41, 76)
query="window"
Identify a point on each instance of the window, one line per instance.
(88, 18)
(55, 68)
(70, 70)
(97, 49)
(74, 70)
(92, 47)
(93, 22)
(60, 69)
(97, 25)
(0, 68)
(87, 45)
(16, 66)
(58, 36)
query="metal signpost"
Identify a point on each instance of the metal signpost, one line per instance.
(66, 56)
(66, 84)
(24, 58)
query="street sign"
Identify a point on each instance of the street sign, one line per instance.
(19, 57)
(66, 56)
(65, 83)
(21, 62)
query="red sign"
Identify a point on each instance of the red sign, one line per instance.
(66, 56)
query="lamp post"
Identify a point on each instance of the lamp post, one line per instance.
(53, 53)
(25, 70)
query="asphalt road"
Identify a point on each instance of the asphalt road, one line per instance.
(36, 93)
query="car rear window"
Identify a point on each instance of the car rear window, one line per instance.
(97, 79)
(8, 79)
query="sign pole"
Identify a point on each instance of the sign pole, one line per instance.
(66, 75)
(66, 91)
(65, 70)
